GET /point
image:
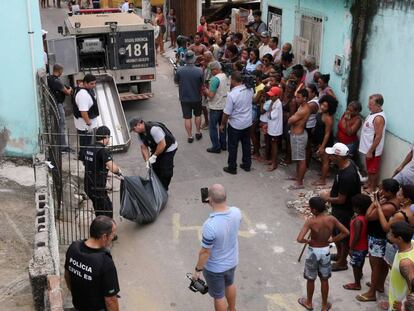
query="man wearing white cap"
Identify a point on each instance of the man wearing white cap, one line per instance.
(346, 185)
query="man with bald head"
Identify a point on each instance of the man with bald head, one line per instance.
(219, 254)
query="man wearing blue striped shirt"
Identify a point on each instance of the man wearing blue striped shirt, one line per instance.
(219, 254)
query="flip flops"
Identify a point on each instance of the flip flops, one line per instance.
(351, 286)
(363, 298)
(302, 302)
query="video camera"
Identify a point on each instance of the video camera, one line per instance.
(249, 80)
(204, 195)
(197, 285)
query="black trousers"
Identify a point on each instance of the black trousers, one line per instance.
(164, 167)
(233, 138)
(85, 140)
(102, 204)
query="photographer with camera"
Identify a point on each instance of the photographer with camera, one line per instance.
(219, 252)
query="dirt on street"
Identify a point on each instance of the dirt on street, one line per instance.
(17, 216)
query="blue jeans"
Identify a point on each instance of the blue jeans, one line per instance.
(233, 137)
(62, 126)
(218, 139)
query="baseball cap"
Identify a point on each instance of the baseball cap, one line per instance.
(338, 149)
(274, 91)
(190, 57)
(265, 34)
(133, 122)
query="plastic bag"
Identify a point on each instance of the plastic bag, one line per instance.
(142, 199)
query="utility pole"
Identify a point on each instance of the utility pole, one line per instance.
(146, 9)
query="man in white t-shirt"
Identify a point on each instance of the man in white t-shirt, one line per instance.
(125, 7)
(275, 51)
(85, 113)
(264, 46)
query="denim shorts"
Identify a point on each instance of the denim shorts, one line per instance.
(358, 258)
(217, 282)
(318, 263)
(376, 247)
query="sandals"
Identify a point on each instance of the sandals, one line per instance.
(363, 298)
(302, 302)
(351, 286)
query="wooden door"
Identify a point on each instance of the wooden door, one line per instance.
(186, 11)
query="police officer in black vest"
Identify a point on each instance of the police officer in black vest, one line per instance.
(59, 91)
(98, 161)
(158, 147)
(85, 112)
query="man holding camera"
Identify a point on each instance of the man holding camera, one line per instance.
(219, 252)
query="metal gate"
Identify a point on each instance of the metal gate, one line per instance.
(73, 210)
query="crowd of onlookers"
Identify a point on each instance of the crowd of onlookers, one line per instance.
(252, 91)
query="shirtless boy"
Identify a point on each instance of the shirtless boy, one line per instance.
(318, 259)
(299, 137)
(197, 47)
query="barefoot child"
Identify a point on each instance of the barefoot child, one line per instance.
(358, 244)
(318, 259)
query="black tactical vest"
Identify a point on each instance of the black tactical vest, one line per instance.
(149, 141)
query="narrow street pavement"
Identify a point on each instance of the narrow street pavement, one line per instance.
(153, 260)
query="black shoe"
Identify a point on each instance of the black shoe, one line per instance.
(190, 139)
(246, 168)
(198, 136)
(211, 150)
(230, 171)
(224, 148)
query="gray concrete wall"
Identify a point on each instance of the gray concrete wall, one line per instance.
(45, 260)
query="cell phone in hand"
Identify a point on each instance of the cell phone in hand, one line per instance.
(204, 195)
